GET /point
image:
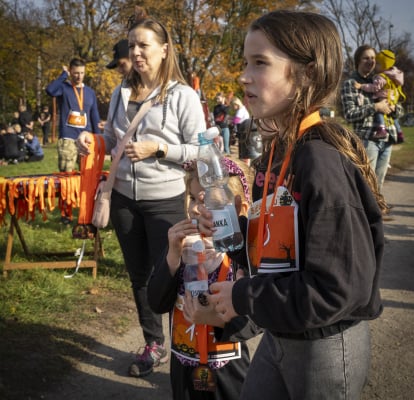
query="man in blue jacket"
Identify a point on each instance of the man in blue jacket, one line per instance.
(78, 111)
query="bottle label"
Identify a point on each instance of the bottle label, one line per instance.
(202, 168)
(222, 224)
(196, 287)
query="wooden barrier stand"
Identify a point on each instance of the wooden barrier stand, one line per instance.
(20, 196)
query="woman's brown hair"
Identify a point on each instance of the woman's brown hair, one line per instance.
(170, 69)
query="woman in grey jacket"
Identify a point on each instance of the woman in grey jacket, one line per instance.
(148, 193)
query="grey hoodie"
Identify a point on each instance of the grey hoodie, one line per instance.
(177, 123)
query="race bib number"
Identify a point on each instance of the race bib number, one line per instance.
(77, 119)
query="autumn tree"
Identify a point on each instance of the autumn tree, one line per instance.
(360, 22)
(208, 36)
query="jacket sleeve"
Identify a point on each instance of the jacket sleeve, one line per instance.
(95, 118)
(341, 238)
(355, 108)
(109, 131)
(378, 82)
(239, 329)
(162, 287)
(191, 121)
(55, 88)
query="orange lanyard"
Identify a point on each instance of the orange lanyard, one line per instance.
(79, 98)
(306, 123)
(202, 330)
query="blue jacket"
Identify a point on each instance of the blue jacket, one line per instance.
(34, 147)
(66, 98)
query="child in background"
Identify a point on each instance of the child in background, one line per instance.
(166, 293)
(386, 84)
(33, 148)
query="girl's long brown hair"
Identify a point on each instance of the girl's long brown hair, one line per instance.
(313, 45)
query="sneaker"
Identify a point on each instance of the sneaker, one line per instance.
(153, 355)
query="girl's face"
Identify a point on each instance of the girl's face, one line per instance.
(265, 78)
(196, 198)
(145, 52)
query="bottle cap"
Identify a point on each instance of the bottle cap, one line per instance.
(198, 246)
(208, 136)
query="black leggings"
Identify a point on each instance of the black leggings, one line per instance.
(142, 231)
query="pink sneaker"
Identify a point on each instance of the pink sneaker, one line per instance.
(153, 355)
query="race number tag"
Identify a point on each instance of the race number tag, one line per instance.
(77, 119)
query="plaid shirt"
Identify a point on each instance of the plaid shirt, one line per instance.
(358, 109)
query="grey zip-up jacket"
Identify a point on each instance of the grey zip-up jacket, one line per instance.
(176, 122)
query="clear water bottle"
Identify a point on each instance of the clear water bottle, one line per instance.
(195, 274)
(213, 177)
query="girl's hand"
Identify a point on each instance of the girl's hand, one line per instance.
(83, 142)
(222, 299)
(176, 236)
(205, 221)
(196, 313)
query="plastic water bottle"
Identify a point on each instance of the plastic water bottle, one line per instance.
(213, 176)
(195, 274)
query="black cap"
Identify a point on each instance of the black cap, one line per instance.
(120, 50)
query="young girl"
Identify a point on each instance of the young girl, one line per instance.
(221, 356)
(326, 255)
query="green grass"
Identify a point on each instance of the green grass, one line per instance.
(403, 154)
(48, 322)
(41, 295)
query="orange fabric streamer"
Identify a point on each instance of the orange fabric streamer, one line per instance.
(91, 173)
(21, 196)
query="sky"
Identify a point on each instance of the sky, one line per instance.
(400, 13)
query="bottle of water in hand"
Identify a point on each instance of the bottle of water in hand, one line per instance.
(195, 274)
(213, 176)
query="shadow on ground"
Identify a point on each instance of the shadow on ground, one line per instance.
(36, 359)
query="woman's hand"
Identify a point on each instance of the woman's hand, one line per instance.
(138, 151)
(83, 142)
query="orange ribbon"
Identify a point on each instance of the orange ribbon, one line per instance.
(202, 331)
(306, 123)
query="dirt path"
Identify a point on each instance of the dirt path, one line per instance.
(103, 375)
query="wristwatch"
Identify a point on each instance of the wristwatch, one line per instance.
(162, 150)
